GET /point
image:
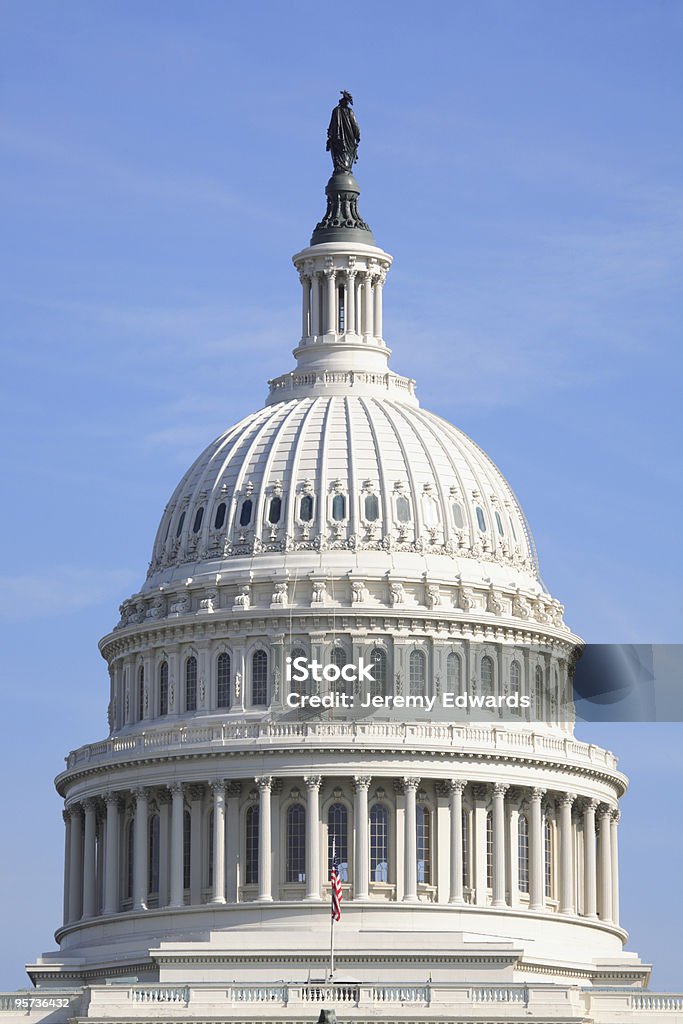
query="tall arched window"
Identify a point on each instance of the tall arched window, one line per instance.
(417, 671)
(379, 843)
(259, 679)
(153, 855)
(306, 508)
(424, 839)
(338, 839)
(223, 680)
(538, 694)
(141, 693)
(378, 660)
(453, 673)
(487, 676)
(339, 508)
(548, 856)
(163, 688)
(338, 659)
(489, 850)
(129, 847)
(191, 684)
(465, 848)
(295, 686)
(371, 508)
(187, 849)
(296, 843)
(523, 853)
(252, 839)
(515, 685)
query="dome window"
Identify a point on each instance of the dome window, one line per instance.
(371, 506)
(499, 524)
(339, 508)
(306, 508)
(275, 510)
(223, 680)
(402, 509)
(181, 523)
(191, 684)
(480, 519)
(198, 516)
(512, 527)
(219, 518)
(457, 515)
(245, 512)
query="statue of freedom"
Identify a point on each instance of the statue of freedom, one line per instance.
(343, 135)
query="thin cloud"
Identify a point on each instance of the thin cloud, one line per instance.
(60, 590)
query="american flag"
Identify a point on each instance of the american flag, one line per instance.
(335, 881)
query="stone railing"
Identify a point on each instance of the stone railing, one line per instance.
(160, 994)
(349, 378)
(421, 736)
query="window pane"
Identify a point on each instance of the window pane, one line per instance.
(453, 673)
(523, 853)
(223, 680)
(337, 840)
(338, 508)
(480, 519)
(371, 508)
(163, 688)
(197, 525)
(499, 524)
(296, 844)
(417, 673)
(274, 510)
(180, 524)
(457, 515)
(191, 684)
(306, 508)
(378, 659)
(402, 509)
(245, 513)
(379, 843)
(220, 516)
(153, 869)
(424, 870)
(487, 675)
(259, 679)
(141, 693)
(252, 831)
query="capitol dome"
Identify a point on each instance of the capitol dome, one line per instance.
(478, 853)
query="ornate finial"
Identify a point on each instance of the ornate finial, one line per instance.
(342, 221)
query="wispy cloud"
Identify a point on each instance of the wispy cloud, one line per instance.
(60, 590)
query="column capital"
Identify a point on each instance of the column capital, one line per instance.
(140, 793)
(589, 804)
(500, 788)
(89, 804)
(616, 815)
(264, 782)
(605, 810)
(313, 781)
(566, 799)
(176, 789)
(410, 783)
(66, 816)
(361, 782)
(74, 810)
(536, 794)
(217, 786)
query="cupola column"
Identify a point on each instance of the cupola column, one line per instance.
(218, 790)
(362, 867)
(536, 858)
(498, 816)
(312, 833)
(111, 858)
(379, 284)
(605, 859)
(76, 864)
(456, 787)
(67, 862)
(589, 880)
(350, 309)
(141, 850)
(330, 301)
(367, 305)
(315, 328)
(265, 869)
(566, 873)
(410, 856)
(615, 866)
(305, 305)
(177, 814)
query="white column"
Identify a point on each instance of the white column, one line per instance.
(264, 784)
(605, 855)
(330, 302)
(361, 872)
(479, 852)
(305, 305)
(566, 844)
(410, 856)
(316, 326)
(177, 813)
(351, 302)
(456, 787)
(498, 821)
(111, 857)
(536, 858)
(140, 850)
(89, 854)
(76, 864)
(367, 304)
(615, 865)
(218, 790)
(164, 800)
(312, 833)
(589, 872)
(196, 795)
(232, 842)
(67, 862)
(379, 282)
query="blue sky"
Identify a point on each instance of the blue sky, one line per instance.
(160, 164)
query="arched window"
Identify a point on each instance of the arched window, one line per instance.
(402, 509)
(378, 660)
(487, 676)
(515, 685)
(259, 679)
(480, 519)
(548, 856)
(245, 512)
(141, 693)
(153, 856)
(252, 838)
(538, 694)
(430, 510)
(465, 848)
(338, 839)
(129, 847)
(219, 518)
(499, 524)
(306, 508)
(379, 843)
(338, 659)
(223, 680)
(424, 860)
(453, 673)
(523, 853)
(417, 673)
(210, 846)
(457, 515)
(296, 843)
(489, 850)
(371, 508)
(339, 508)
(187, 849)
(274, 509)
(198, 516)
(163, 688)
(181, 523)
(191, 684)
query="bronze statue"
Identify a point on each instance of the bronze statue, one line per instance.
(343, 135)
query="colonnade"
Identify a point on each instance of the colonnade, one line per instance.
(447, 841)
(342, 301)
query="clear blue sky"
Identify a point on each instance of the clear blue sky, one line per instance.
(162, 161)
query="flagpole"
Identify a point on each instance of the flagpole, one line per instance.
(334, 850)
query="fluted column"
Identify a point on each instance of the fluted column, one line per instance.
(76, 864)
(305, 305)
(67, 863)
(536, 859)
(367, 304)
(379, 283)
(499, 791)
(351, 302)
(312, 832)
(456, 787)
(615, 865)
(232, 841)
(410, 856)
(196, 795)
(361, 876)
(589, 873)
(111, 854)
(330, 302)
(218, 790)
(566, 844)
(177, 812)
(605, 856)
(316, 326)
(89, 858)
(265, 868)
(140, 850)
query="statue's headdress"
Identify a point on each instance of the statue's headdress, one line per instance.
(347, 95)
